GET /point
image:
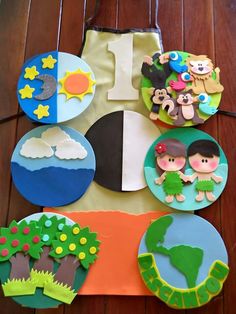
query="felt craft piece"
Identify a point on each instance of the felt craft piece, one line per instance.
(50, 282)
(120, 141)
(186, 169)
(115, 271)
(53, 165)
(145, 42)
(173, 84)
(55, 87)
(179, 265)
(123, 52)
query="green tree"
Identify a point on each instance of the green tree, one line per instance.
(74, 246)
(18, 243)
(43, 267)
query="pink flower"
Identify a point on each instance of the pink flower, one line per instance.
(160, 148)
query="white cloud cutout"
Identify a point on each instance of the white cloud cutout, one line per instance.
(36, 148)
(53, 136)
(70, 149)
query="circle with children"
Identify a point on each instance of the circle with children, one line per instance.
(186, 170)
(180, 88)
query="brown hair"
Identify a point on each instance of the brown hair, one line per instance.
(170, 147)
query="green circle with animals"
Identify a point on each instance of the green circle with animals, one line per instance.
(186, 169)
(179, 88)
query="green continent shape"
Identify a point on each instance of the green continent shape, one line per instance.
(186, 259)
(156, 232)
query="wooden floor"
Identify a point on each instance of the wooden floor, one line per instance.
(29, 27)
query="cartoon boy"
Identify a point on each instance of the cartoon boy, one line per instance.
(204, 157)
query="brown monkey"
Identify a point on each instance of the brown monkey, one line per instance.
(201, 69)
(157, 98)
(184, 109)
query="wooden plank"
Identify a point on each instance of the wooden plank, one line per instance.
(44, 27)
(87, 304)
(125, 305)
(9, 306)
(71, 36)
(225, 41)
(13, 20)
(170, 20)
(199, 39)
(156, 306)
(39, 39)
(172, 36)
(107, 14)
(42, 36)
(72, 26)
(128, 19)
(13, 27)
(47, 14)
(133, 14)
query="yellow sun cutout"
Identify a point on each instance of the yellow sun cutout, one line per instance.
(76, 84)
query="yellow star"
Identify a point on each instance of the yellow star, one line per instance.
(41, 111)
(48, 62)
(26, 92)
(31, 73)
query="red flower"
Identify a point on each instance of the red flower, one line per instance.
(160, 148)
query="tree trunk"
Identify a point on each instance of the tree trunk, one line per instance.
(45, 263)
(20, 266)
(66, 271)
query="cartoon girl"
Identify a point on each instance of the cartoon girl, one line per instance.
(170, 164)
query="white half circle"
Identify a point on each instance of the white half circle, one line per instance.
(138, 135)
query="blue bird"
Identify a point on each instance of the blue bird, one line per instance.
(174, 61)
(204, 105)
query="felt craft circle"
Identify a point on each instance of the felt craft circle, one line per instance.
(165, 238)
(204, 110)
(52, 165)
(120, 140)
(39, 300)
(187, 137)
(55, 87)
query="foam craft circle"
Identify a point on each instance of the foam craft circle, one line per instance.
(55, 87)
(40, 300)
(190, 190)
(183, 260)
(182, 71)
(53, 165)
(120, 141)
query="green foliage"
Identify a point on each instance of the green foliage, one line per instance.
(20, 237)
(187, 260)
(156, 232)
(184, 258)
(50, 226)
(76, 241)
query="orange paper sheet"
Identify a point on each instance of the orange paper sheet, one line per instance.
(115, 272)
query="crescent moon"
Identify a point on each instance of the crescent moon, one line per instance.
(49, 86)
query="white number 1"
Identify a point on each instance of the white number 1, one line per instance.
(123, 51)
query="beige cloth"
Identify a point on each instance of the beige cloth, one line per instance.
(102, 62)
